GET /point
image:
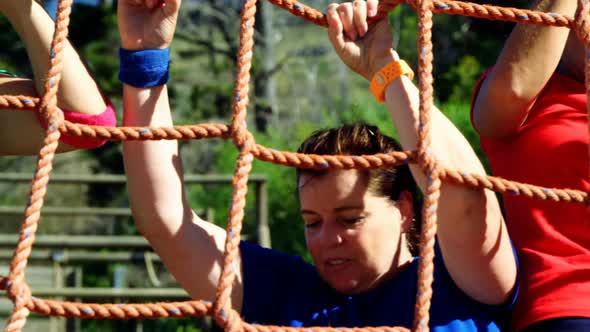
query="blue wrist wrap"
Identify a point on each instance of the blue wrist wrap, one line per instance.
(144, 68)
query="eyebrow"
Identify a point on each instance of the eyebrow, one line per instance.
(349, 207)
(307, 212)
(338, 209)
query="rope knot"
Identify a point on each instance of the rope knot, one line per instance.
(428, 163)
(54, 117)
(227, 319)
(243, 139)
(18, 291)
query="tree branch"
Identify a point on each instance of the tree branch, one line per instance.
(208, 44)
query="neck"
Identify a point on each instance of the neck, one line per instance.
(402, 259)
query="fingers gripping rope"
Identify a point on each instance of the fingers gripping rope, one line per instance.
(221, 310)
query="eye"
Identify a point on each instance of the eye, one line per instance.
(351, 221)
(312, 224)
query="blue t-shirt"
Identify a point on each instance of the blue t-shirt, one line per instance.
(284, 290)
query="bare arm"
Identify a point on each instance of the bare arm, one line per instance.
(527, 61)
(77, 90)
(472, 234)
(191, 248)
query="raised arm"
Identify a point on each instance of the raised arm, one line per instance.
(471, 233)
(20, 132)
(527, 61)
(190, 247)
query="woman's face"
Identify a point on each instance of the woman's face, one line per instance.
(355, 237)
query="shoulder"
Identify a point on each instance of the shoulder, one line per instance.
(269, 279)
(257, 259)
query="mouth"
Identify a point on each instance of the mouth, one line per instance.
(336, 263)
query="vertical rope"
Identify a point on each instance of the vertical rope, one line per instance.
(18, 290)
(428, 164)
(58, 44)
(225, 316)
(582, 29)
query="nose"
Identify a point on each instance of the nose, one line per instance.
(331, 234)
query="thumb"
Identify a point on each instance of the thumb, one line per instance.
(382, 26)
(170, 7)
(381, 31)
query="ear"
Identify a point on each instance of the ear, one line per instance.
(405, 204)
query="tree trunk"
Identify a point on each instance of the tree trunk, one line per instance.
(264, 91)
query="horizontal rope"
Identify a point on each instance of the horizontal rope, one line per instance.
(450, 7)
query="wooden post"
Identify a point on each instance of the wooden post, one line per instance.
(57, 324)
(262, 229)
(74, 280)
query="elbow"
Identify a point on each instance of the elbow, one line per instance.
(503, 287)
(513, 94)
(157, 223)
(145, 226)
(501, 293)
(501, 108)
(511, 83)
(148, 226)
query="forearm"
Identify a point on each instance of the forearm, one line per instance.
(471, 233)
(529, 58)
(191, 248)
(77, 89)
(152, 165)
(447, 144)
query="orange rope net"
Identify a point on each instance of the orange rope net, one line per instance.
(221, 310)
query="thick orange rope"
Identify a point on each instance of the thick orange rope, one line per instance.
(221, 309)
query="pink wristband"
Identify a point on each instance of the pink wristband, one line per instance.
(107, 118)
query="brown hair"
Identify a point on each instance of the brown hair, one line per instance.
(362, 139)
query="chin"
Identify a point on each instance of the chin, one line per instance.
(346, 287)
(353, 286)
(345, 290)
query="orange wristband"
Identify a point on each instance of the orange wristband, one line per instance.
(388, 74)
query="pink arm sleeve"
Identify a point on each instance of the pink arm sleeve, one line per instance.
(107, 118)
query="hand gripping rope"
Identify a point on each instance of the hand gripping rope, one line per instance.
(221, 310)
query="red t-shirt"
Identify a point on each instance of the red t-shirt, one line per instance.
(552, 239)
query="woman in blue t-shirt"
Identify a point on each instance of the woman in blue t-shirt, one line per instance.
(359, 225)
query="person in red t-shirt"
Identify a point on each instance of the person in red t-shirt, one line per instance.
(21, 133)
(530, 111)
